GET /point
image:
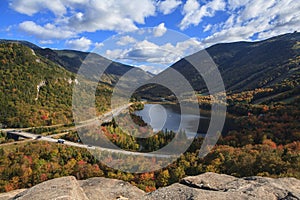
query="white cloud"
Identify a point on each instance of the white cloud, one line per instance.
(160, 30)
(48, 31)
(194, 13)
(114, 54)
(149, 52)
(152, 69)
(145, 44)
(46, 42)
(113, 15)
(257, 17)
(98, 45)
(168, 6)
(33, 6)
(234, 4)
(81, 44)
(254, 10)
(246, 18)
(8, 29)
(146, 51)
(189, 46)
(125, 40)
(207, 28)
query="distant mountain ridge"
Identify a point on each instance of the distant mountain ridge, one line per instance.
(23, 42)
(272, 63)
(256, 62)
(244, 65)
(72, 60)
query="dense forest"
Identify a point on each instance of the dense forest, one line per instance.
(265, 142)
(261, 135)
(36, 91)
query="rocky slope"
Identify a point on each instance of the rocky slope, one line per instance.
(204, 186)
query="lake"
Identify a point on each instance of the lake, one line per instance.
(168, 116)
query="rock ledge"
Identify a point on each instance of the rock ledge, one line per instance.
(204, 186)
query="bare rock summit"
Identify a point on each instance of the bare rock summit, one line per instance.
(204, 186)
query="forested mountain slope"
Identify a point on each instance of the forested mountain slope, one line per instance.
(246, 65)
(36, 91)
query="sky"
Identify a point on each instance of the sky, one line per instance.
(151, 34)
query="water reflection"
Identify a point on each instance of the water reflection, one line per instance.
(168, 116)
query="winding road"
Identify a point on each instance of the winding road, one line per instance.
(103, 118)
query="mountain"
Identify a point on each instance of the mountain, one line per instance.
(36, 84)
(204, 186)
(23, 42)
(245, 65)
(34, 90)
(72, 60)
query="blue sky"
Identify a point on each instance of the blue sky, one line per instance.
(86, 24)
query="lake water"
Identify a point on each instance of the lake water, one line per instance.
(167, 116)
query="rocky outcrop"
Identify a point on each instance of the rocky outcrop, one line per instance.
(68, 188)
(205, 186)
(11, 194)
(220, 186)
(108, 189)
(65, 188)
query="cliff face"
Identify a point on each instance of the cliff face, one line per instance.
(205, 186)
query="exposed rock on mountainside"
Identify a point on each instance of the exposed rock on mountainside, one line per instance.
(220, 186)
(205, 186)
(60, 188)
(103, 188)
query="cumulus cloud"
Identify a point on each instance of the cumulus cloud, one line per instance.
(160, 30)
(98, 45)
(257, 19)
(34, 6)
(153, 57)
(81, 44)
(48, 31)
(246, 19)
(113, 15)
(189, 46)
(152, 69)
(149, 52)
(194, 13)
(115, 54)
(125, 40)
(168, 6)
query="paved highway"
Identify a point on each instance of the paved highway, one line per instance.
(103, 118)
(49, 138)
(106, 117)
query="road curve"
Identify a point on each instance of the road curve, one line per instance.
(103, 118)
